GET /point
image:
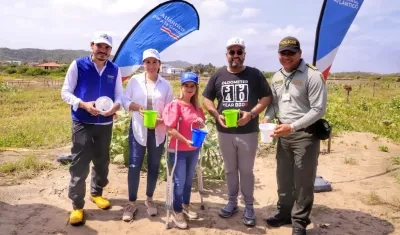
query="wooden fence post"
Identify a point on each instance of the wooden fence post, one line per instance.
(373, 90)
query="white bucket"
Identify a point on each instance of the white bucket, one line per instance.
(266, 130)
(104, 104)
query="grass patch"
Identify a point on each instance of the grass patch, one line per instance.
(384, 149)
(350, 161)
(372, 199)
(397, 177)
(396, 160)
(34, 118)
(26, 167)
(364, 111)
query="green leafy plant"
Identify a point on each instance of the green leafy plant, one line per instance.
(6, 88)
(384, 148)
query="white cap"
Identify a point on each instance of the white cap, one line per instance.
(151, 53)
(103, 38)
(235, 41)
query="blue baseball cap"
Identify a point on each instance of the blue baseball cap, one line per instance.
(189, 77)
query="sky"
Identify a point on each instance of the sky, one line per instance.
(371, 44)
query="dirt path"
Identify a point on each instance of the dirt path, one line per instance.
(365, 199)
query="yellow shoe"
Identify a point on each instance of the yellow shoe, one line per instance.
(101, 202)
(76, 217)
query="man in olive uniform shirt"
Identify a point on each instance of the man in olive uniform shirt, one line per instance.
(299, 100)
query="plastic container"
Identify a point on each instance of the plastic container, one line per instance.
(104, 104)
(231, 117)
(198, 137)
(266, 130)
(150, 118)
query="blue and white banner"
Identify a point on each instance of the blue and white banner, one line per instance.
(161, 27)
(335, 20)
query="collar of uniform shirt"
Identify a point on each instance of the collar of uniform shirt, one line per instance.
(288, 79)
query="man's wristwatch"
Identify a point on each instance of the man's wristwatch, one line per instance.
(253, 115)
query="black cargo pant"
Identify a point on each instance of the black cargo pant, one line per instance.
(90, 143)
(297, 156)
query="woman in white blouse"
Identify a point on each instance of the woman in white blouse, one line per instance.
(145, 91)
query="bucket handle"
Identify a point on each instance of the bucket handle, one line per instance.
(201, 124)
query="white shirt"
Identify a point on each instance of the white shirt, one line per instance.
(136, 92)
(71, 79)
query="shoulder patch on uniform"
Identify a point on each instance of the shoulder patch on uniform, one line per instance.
(322, 77)
(311, 66)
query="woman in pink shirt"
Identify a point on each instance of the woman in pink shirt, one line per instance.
(187, 109)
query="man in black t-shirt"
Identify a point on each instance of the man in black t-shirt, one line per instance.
(246, 89)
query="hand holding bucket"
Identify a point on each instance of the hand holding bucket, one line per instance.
(198, 135)
(150, 118)
(231, 117)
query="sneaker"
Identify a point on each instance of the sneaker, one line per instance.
(129, 211)
(188, 212)
(76, 217)
(151, 207)
(249, 218)
(230, 209)
(179, 220)
(101, 202)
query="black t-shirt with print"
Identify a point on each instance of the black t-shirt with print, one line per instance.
(238, 91)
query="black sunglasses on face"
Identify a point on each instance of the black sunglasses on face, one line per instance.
(287, 53)
(238, 52)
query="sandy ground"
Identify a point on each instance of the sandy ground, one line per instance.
(364, 200)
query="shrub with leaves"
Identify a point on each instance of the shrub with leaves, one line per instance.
(6, 88)
(212, 163)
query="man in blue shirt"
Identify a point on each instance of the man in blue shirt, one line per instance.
(87, 79)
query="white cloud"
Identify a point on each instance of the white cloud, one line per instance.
(250, 31)
(250, 12)
(128, 6)
(91, 4)
(354, 28)
(214, 8)
(289, 30)
(108, 7)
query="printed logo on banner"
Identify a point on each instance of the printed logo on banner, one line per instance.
(235, 94)
(348, 3)
(169, 26)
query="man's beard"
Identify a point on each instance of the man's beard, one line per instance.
(101, 56)
(236, 64)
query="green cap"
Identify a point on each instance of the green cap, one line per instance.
(289, 44)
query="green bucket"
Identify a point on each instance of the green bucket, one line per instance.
(150, 118)
(231, 117)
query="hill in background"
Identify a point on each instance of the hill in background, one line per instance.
(60, 56)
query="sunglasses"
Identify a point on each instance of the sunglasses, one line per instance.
(238, 52)
(287, 53)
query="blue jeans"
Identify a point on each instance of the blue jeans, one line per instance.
(136, 156)
(183, 176)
